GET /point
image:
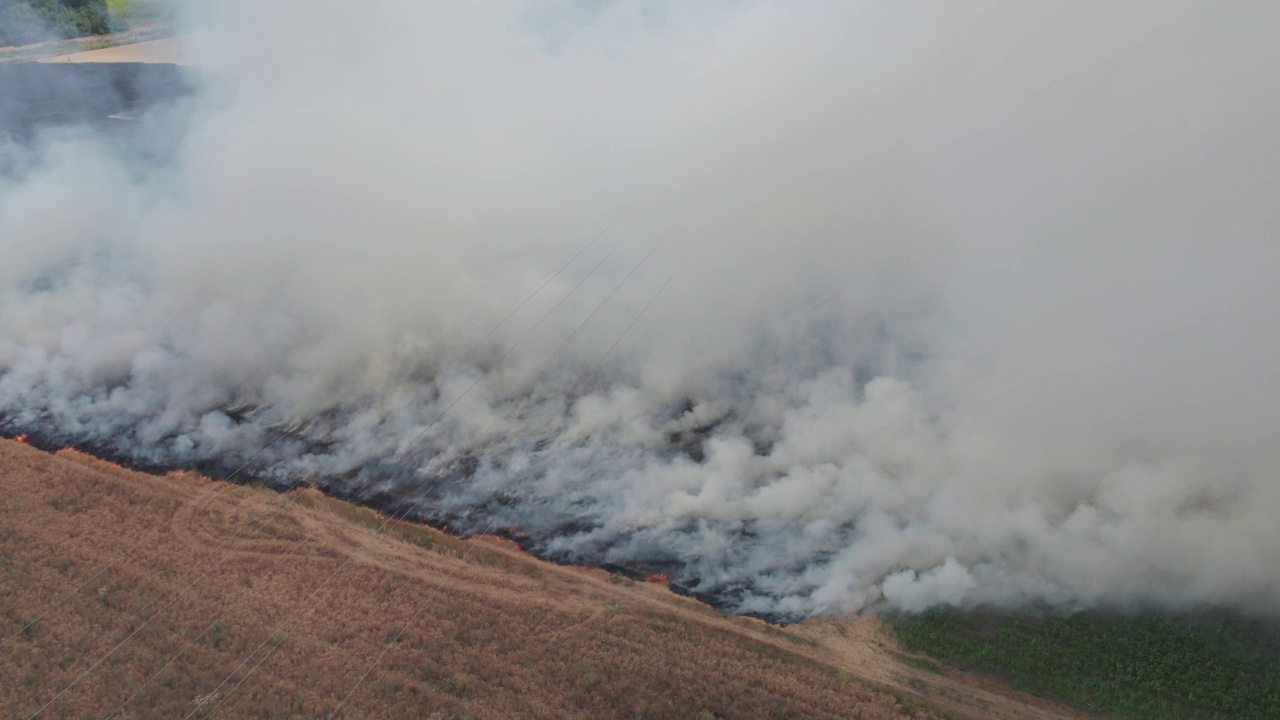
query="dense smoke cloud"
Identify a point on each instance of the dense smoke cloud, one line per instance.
(972, 302)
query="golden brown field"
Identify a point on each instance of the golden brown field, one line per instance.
(229, 582)
(164, 50)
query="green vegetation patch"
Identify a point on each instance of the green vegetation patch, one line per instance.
(1212, 664)
(57, 22)
(128, 14)
(29, 21)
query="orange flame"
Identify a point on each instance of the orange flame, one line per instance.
(497, 539)
(22, 438)
(657, 578)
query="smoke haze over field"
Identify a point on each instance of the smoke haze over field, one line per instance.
(976, 302)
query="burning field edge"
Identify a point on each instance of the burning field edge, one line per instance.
(386, 504)
(1230, 671)
(858, 649)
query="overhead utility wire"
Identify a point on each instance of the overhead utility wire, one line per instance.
(208, 628)
(637, 318)
(465, 392)
(505, 503)
(528, 250)
(301, 606)
(291, 500)
(557, 274)
(248, 591)
(167, 605)
(128, 551)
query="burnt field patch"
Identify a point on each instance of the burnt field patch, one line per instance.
(104, 96)
(500, 634)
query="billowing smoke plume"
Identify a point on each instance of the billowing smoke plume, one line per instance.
(815, 305)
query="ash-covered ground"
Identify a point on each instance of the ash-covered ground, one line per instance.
(108, 97)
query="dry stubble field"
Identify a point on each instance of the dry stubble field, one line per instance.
(228, 582)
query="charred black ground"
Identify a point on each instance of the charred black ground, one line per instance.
(477, 520)
(105, 96)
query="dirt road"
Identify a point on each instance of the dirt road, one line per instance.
(164, 50)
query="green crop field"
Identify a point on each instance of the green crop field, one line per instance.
(1199, 666)
(129, 13)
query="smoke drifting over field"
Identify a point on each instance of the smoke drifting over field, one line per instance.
(976, 302)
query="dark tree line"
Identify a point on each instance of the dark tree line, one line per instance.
(28, 21)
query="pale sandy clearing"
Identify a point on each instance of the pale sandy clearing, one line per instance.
(164, 50)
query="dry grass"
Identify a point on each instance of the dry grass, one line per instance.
(505, 635)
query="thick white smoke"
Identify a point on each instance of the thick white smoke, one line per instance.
(975, 301)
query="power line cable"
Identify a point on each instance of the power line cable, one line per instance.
(301, 606)
(555, 275)
(167, 605)
(289, 504)
(415, 439)
(503, 506)
(637, 319)
(597, 237)
(128, 551)
(507, 502)
(208, 628)
(528, 250)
